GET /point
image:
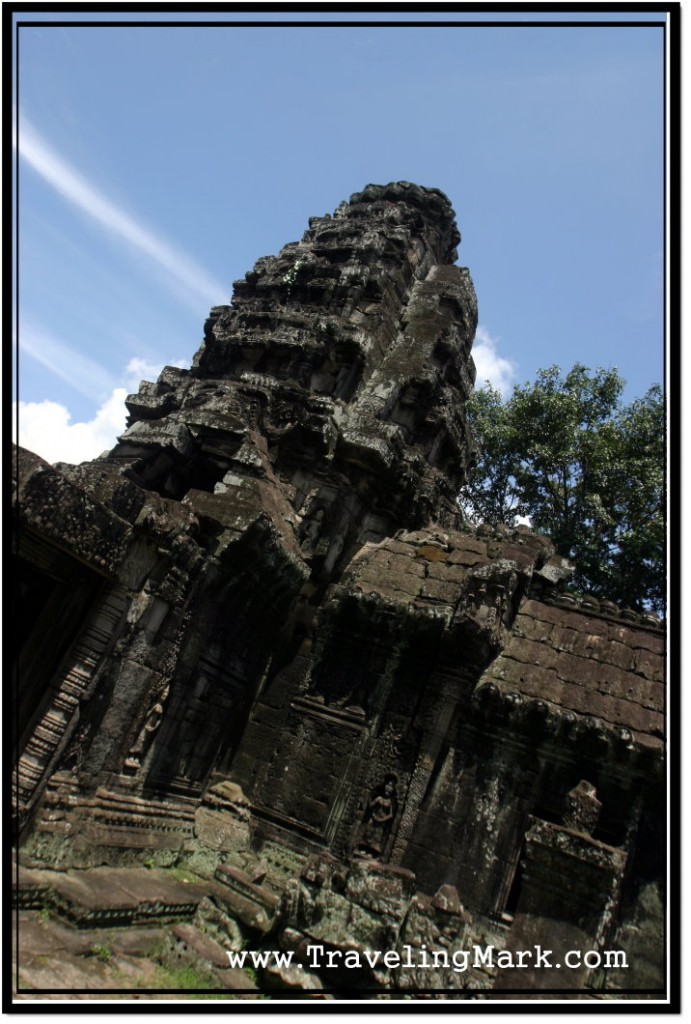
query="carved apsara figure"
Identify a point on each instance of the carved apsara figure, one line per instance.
(152, 722)
(379, 818)
(313, 530)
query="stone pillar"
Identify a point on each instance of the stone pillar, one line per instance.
(569, 890)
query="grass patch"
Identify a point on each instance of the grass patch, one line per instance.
(190, 979)
(183, 874)
(101, 953)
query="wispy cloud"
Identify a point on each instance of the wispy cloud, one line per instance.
(490, 366)
(190, 280)
(83, 374)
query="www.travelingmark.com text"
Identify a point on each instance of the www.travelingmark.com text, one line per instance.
(318, 957)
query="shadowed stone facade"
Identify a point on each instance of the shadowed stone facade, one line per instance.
(256, 640)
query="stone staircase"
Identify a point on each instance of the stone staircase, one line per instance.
(143, 932)
(111, 930)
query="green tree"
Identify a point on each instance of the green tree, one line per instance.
(585, 470)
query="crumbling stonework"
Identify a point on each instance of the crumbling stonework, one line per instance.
(257, 640)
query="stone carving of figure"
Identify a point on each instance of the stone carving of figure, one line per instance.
(336, 548)
(76, 753)
(152, 722)
(313, 530)
(379, 818)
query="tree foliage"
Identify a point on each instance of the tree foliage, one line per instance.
(585, 470)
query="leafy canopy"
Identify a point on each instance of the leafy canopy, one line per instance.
(585, 470)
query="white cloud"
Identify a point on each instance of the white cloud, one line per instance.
(189, 280)
(490, 366)
(138, 370)
(46, 428)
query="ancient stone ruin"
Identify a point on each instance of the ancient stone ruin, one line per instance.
(256, 643)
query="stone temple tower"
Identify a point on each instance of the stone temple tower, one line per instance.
(329, 396)
(257, 639)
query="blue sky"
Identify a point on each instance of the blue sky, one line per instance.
(157, 164)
